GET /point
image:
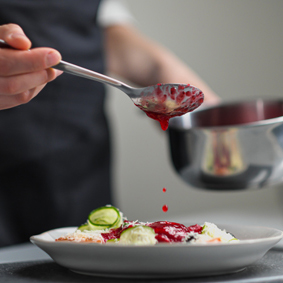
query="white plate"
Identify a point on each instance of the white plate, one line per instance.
(161, 260)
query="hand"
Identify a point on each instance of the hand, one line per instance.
(23, 72)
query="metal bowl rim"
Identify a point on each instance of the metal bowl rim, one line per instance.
(265, 122)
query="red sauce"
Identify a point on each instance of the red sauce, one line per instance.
(166, 231)
(113, 234)
(164, 190)
(165, 208)
(158, 104)
(171, 231)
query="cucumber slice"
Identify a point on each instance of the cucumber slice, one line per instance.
(138, 235)
(84, 227)
(104, 217)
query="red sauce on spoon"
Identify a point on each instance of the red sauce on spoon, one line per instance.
(167, 101)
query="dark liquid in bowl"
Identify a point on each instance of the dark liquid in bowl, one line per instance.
(238, 114)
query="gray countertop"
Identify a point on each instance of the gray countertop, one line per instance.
(27, 263)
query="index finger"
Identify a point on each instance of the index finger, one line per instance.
(15, 62)
(14, 35)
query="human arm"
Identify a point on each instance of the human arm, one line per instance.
(23, 72)
(132, 56)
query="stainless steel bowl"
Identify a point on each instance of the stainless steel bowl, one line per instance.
(231, 146)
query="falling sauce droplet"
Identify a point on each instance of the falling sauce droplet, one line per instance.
(164, 190)
(165, 208)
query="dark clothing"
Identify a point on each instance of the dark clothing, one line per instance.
(54, 150)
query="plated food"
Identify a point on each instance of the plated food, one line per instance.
(161, 260)
(107, 225)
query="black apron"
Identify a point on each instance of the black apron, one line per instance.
(54, 150)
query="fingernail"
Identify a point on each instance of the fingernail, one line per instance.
(52, 58)
(58, 73)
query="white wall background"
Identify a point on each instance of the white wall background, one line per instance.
(237, 48)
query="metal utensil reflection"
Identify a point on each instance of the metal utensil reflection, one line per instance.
(223, 155)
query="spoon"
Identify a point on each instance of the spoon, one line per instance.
(160, 102)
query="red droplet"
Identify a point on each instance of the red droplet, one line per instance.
(180, 97)
(188, 93)
(165, 208)
(164, 123)
(164, 190)
(158, 91)
(163, 98)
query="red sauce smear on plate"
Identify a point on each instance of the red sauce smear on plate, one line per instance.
(166, 232)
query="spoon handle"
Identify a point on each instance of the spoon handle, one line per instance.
(85, 73)
(79, 71)
(3, 44)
